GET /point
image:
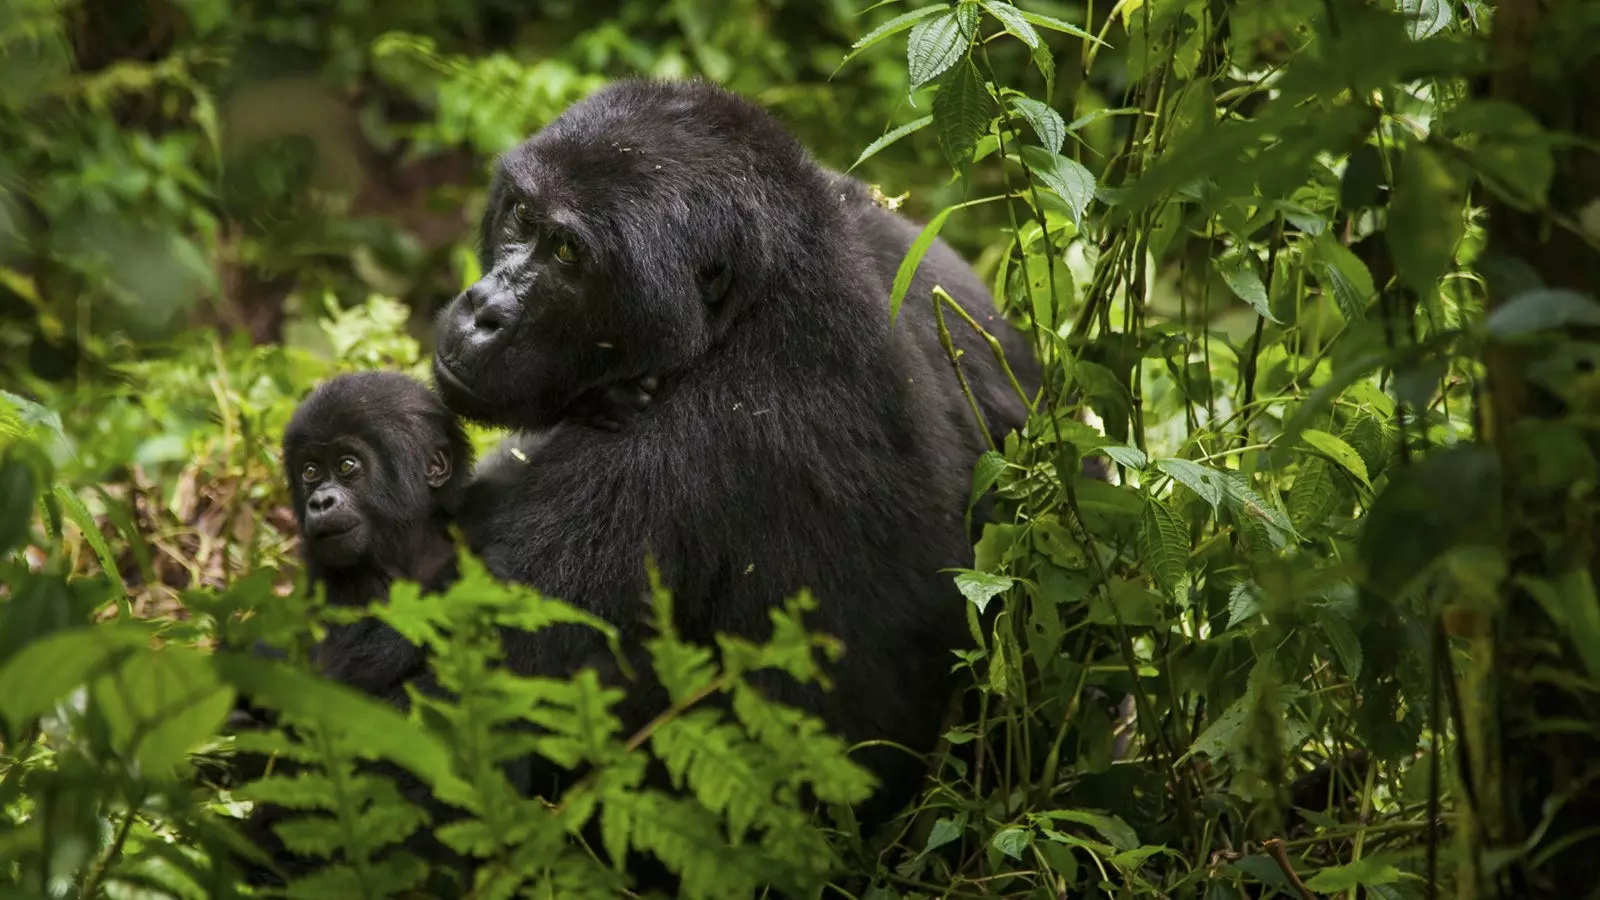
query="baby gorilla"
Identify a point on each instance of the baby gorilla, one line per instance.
(376, 466)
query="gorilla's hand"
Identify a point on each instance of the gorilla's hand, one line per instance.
(612, 407)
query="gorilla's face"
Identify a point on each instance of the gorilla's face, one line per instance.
(605, 257)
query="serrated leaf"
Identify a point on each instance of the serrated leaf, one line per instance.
(1068, 179)
(892, 27)
(1046, 122)
(878, 145)
(1243, 500)
(1014, 22)
(981, 587)
(1012, 841)
(1116, 832)
(1164, 544)
(1205, 482)
(961, 111)
(1542, 309)
(1132, 457)
(1314, 495)
(1244, 601)
(1339, 451)
(1425, 18)
(1054, 24)
(935, 44)
(944, 831)
(1425, 221)
(1345, 275)
(1366, 871)
(1246, 284)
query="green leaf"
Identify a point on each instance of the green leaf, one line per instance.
(1046, 122)
(1570, 602)
(1132, 457)
(1164, 544)
(160, 704)
(914, 255)
(1207, 483)
(1054, 24)
(1342, 638)
(1364, 872)
(1244, 501)
(79, 514)
(985, 472)
(981, 587)
(1510, 150)
(892, 27)
(1426, 18)
(944, 831)
(1246, 284)
(1314, 495)
(1339, 451)
(935, 44)
(45, 671)
(1542, 309)
(961, 110)
(1116, 832)
(1012, 841)
(17, 492)
(895, 135)
(1068, 179)
(1425, 221)
(1244, 601)
(1345, 275)
(1014, 21)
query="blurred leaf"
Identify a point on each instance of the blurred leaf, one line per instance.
(889, 138)
(1543, 309)
(1424, 220)
(1345, 276)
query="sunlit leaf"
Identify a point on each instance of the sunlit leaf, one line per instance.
(1067, 178)
(1339, 451)
(1014, 21)
(936, 44)
(1046, 122)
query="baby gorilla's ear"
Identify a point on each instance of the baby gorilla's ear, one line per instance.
(438, 468)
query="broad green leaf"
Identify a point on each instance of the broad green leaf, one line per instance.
(1116, 832)
(1244, 501)
(1246, 284)
(1426, 18)
(935, 44)
(17, 492)
(1014, 22)
(1132, 457)
(45, 671)
(1542, 309)
(1425, 221)
(1164, 543)
(944, 831)
(1449, 498)
(1369, 870)
(1342, 638)
(1511, 151)
(985, 472)
(961, 112)
(1570, 602)
(1244, 601)
(1130, 603)
(1339, 451)
(892, 27)
(1046, 122)
(1207, 483)
(1067, 178)
(1012, 841)
(1345, 275)
(1314, 495)
(1054, 24)
(160, 704)
(981, 587)
(895, 135)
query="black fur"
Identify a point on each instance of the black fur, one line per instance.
(412, 463)
(794, 440)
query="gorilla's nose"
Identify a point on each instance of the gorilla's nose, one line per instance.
(490, 310)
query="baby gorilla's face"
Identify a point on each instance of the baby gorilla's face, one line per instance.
(328, 483)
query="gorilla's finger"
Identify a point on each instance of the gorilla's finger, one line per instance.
(649, 383)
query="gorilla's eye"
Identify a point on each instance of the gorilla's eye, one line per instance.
(522, 213)
(310, 473)
(566, 249)
(348, 465)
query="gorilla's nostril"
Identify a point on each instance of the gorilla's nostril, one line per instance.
(488, 318)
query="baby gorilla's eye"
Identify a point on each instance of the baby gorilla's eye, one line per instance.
(310, 473)
(520, 211)
(348, 465)
(566, 249)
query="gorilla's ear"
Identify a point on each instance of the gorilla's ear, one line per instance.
(438, 468)
(714, 280)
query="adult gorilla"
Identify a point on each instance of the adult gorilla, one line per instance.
(673, 231)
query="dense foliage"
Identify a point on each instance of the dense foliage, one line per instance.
(1348, 594)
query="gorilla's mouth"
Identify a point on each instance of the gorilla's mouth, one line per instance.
(332, 531)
